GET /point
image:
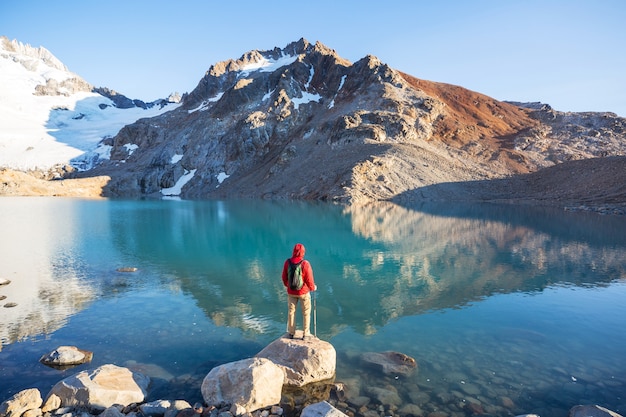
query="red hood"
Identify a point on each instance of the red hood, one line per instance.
(298, 251)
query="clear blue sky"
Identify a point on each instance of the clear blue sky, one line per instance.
(570, 54)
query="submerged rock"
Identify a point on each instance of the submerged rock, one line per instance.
(591, 411)
(390, 363)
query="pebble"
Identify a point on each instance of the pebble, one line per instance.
(4, 281)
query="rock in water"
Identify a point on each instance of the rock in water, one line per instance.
(102, 387)
(321, 409)
(252, 383)
(66, 356)
(390, 363)
(303, 362)
(591, 411)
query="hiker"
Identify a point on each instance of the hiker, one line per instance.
(298, 291)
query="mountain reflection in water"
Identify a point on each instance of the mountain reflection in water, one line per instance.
(208, 286)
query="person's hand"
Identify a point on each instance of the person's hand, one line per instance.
(315, 288)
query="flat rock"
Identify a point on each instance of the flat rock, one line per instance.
(303, 361)
(101, 388)
(591, 411)
(321, 409)
(66, 356)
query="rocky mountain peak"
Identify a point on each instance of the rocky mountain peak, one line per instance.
(302, 122)
(22, 52)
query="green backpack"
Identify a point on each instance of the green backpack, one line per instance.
(294, 276)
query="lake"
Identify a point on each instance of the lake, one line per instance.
(515, 309)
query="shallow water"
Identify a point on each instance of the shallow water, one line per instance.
(515, 309)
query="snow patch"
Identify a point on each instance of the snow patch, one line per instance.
(308, 82)
(332, 102)
(221, 177)
(268, 95)
(206, 103)
(306, 98)
(178, 187)
(267, 65)
(131, 147)
(175, 159)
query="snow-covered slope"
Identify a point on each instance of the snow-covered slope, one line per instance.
(49, 116)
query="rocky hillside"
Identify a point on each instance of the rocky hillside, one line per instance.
(301, 122)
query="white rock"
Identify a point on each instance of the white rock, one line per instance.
(303, 362)
(237, 410)
(176, 407)
(101, 388)
(252, 383)
(155, 408)
(591, 411)
(53, 402)
(322, 409)
(111, 412)
(21, 402)
(66, 356)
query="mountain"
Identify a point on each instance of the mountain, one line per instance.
(303, 123)
(51, 118)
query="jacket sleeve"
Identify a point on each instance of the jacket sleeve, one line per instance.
(307, 276)
(284, 276)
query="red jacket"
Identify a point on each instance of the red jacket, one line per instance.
(307, 271)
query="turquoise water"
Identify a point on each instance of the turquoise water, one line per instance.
(516, 309)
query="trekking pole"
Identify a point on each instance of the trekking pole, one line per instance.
(315, 313)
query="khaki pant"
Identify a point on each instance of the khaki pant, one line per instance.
(292, 303)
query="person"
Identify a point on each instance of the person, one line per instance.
(302, 295)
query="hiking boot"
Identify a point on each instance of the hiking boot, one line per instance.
(308, 337)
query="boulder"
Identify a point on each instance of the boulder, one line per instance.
(252, 383)
(177, 406)
(101, 388)
(53, 402)
(321, 409)
(66, 356)
(385, 396)
(591, 411)
(111, 411)
(156, 408)
(303, 361)
(390, 363)
(28, 399)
